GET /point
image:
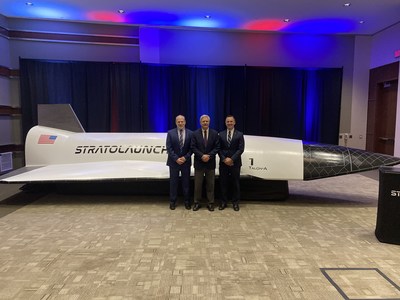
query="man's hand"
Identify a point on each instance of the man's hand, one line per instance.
(181, 160)
(205, 158)
(228, 161)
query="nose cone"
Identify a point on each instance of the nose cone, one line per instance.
(321, 160)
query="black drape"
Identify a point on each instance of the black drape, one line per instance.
(137, 97)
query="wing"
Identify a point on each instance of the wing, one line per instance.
(91, 171)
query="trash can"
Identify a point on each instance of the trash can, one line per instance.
(388, 216)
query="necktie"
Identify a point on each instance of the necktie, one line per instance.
(229, 138)
(205, 137)
(181, 138)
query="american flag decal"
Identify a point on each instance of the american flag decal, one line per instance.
(47, 139)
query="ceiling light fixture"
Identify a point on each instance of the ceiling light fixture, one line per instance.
(347, 4)
(207, 16)
(121, 11)
(361, 22)
(29, 3)
(286, 20)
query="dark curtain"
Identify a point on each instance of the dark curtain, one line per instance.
(127, 106)
(86, 86)
(276, 104)
(137, 97)
(294, 103)
(171, 90)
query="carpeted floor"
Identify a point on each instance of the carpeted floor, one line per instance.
(318, 244)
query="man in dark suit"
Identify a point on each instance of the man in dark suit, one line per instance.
(179, 161)
(232, 147)
(205, 146)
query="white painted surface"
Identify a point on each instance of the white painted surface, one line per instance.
(96, 156)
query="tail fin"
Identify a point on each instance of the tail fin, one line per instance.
(60, 116)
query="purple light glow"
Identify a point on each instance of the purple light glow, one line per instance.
(310, 48)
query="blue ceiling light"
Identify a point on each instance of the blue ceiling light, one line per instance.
(42, 9)
(215, 20)
(200, 22)
(323, 26)
(50, 13)
(152, 18)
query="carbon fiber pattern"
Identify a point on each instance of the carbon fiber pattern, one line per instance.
(321, 160)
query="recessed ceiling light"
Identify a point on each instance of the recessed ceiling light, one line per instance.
(29, 3)
(361, 21)
(207, 16)
(347, 4)
(121, 11)
(286, 20)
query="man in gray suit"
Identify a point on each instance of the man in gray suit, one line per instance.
(205, 146)
(179, 161)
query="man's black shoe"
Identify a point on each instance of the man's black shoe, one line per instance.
(236, 207)
(196, 207)
(210, 207)
(187, 206)
(172, 206)
(222, 206)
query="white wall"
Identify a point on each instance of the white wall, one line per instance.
(10, 126)
(359, 103)
(384, 44)
(66, 50)
(5, 87)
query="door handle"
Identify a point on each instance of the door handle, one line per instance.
(385, 139)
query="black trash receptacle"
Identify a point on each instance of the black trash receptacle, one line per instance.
(388, 217)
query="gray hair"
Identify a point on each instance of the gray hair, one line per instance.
(204, 116)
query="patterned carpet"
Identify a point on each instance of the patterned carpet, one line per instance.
(318, 244)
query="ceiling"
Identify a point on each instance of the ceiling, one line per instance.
(364, 17)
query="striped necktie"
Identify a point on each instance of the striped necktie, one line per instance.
(181, 138)
(229, 138)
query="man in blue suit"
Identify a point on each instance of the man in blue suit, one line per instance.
(179, 161)
(205, 146)
(232, 147)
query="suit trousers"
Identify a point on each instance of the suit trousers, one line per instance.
(229, 178)
(199, 176)
(174, 183)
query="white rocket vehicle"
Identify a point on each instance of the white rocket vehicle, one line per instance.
(58, 150)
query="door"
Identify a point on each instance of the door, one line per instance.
(385, 117)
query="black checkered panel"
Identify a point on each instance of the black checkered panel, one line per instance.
(322, 160)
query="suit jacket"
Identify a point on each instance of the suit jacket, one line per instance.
(174, 151)
(199, 148)
(234, 150)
